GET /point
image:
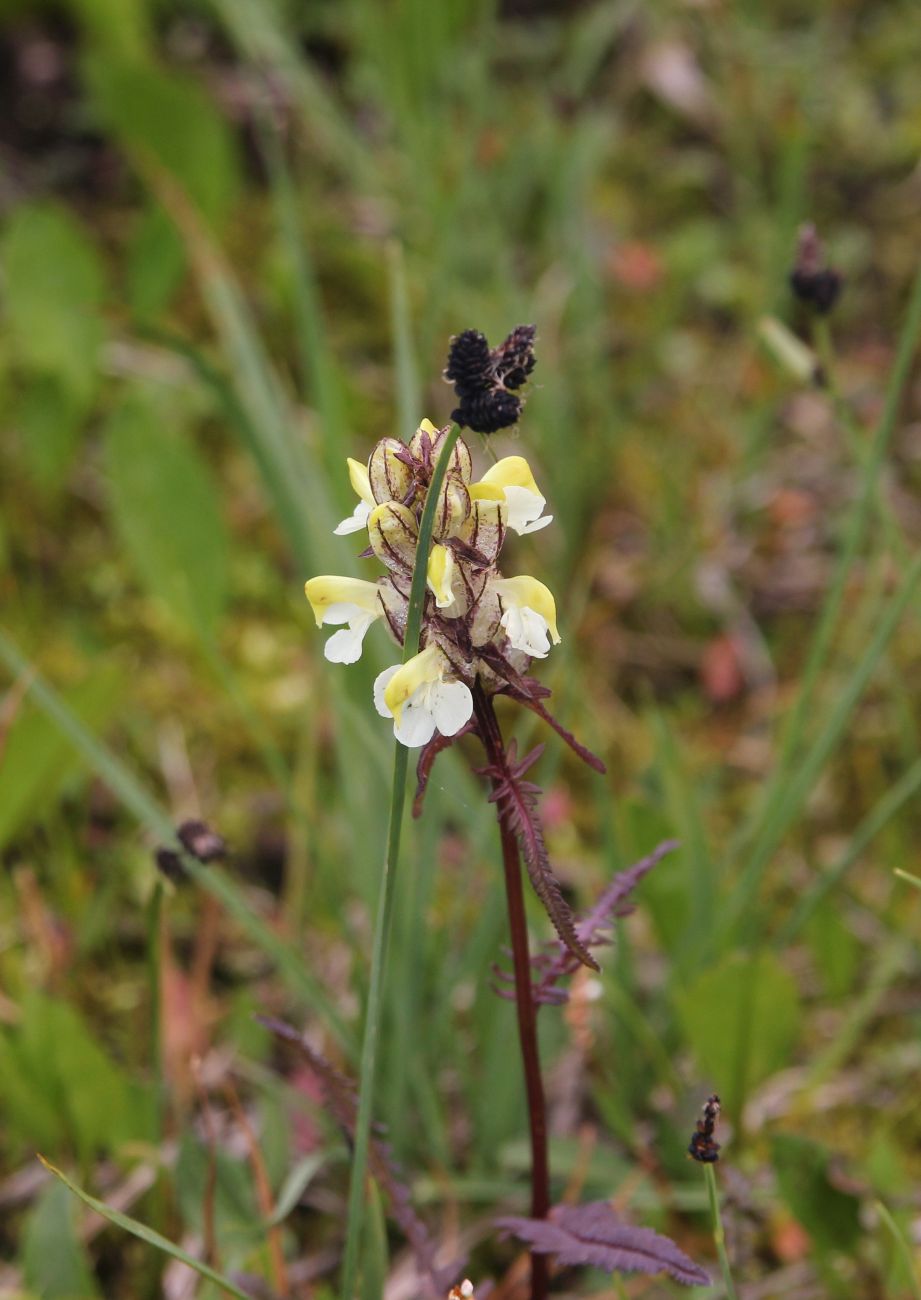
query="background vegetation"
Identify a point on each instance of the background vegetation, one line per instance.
(237, 235)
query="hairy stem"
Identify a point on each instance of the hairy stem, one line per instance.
(524, 998)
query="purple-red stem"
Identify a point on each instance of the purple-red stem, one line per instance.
(524, 997)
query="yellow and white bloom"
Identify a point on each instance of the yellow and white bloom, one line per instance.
(361, 482)
(512, 477)
(528, 615)
(344, 600)
(422, 699)
(440, 576)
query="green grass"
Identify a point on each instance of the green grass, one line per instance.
(296, 207)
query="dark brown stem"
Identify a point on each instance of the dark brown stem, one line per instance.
(524, 998)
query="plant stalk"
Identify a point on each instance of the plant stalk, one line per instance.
(524, 997)
(375, 999)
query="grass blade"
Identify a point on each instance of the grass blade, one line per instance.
(796, 789)
(856, 527)
(903, 1248)
(370, 1040)
(143, 1233)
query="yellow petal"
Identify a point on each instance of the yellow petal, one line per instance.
(326, 590)
(511, 471)
(528, 593)
(439, 575)
(361, 483)
(484, 491)
(427, 666)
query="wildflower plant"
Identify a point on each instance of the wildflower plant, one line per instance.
(470, 631)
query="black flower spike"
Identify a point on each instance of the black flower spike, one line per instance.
(703, 1147)
(812, 281)
(486, 381)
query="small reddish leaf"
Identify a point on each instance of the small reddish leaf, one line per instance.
(593, 1235)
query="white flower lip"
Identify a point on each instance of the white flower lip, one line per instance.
(344, 600)
(528, 615)
(361, 483)
(523, 498)
(421, 700)
(354, 522)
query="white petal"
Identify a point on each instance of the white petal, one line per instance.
(527, 630)
(344, 646)
(537, 525)
(380, 685)
(341, 611)
(451, 704)
(416, 726)
(357, 520)
(524, 507)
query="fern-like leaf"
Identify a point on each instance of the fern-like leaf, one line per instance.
(594, 1235)
(517, 799)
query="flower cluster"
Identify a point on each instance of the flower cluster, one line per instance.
(477, 625)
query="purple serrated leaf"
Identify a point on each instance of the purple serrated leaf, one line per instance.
(595, 1236)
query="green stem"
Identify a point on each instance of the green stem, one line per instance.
(903, 1248)
(154, 971)
(371, 1036)
(719, 1235)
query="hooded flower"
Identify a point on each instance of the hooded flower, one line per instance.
(422, 697)
(353, 523)
(344, 600)
(513, 478)
(528, 615)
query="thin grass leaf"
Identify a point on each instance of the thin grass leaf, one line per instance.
(408, 388)
(904, 1249)
(145, 1234)
(905, 875)
(763, 832)
(797, 788)
(875, 821)
(368, 1066)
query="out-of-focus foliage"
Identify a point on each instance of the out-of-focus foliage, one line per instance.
(236, 237)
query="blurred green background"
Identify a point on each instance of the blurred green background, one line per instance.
(236, 238)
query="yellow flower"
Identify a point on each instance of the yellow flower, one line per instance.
(358, 477)
(528, 614)
(344, 600)
(512, 478)
(440, 575)
(421, 698)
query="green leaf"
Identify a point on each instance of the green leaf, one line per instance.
(156, 261)
(59, 1084)
(742, 1018)
(49, 420)
(168, 118)
(53, 288)
(37, 762)
(167, 512)
(835, 949)
(237, 1220)
(146, 1234)
(54, 1261)
(830, 1215)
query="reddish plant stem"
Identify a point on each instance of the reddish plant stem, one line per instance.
(524, 998)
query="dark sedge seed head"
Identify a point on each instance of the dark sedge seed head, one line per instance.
(201, 841)
(169, 864)
(485, 380)
(814, 282)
